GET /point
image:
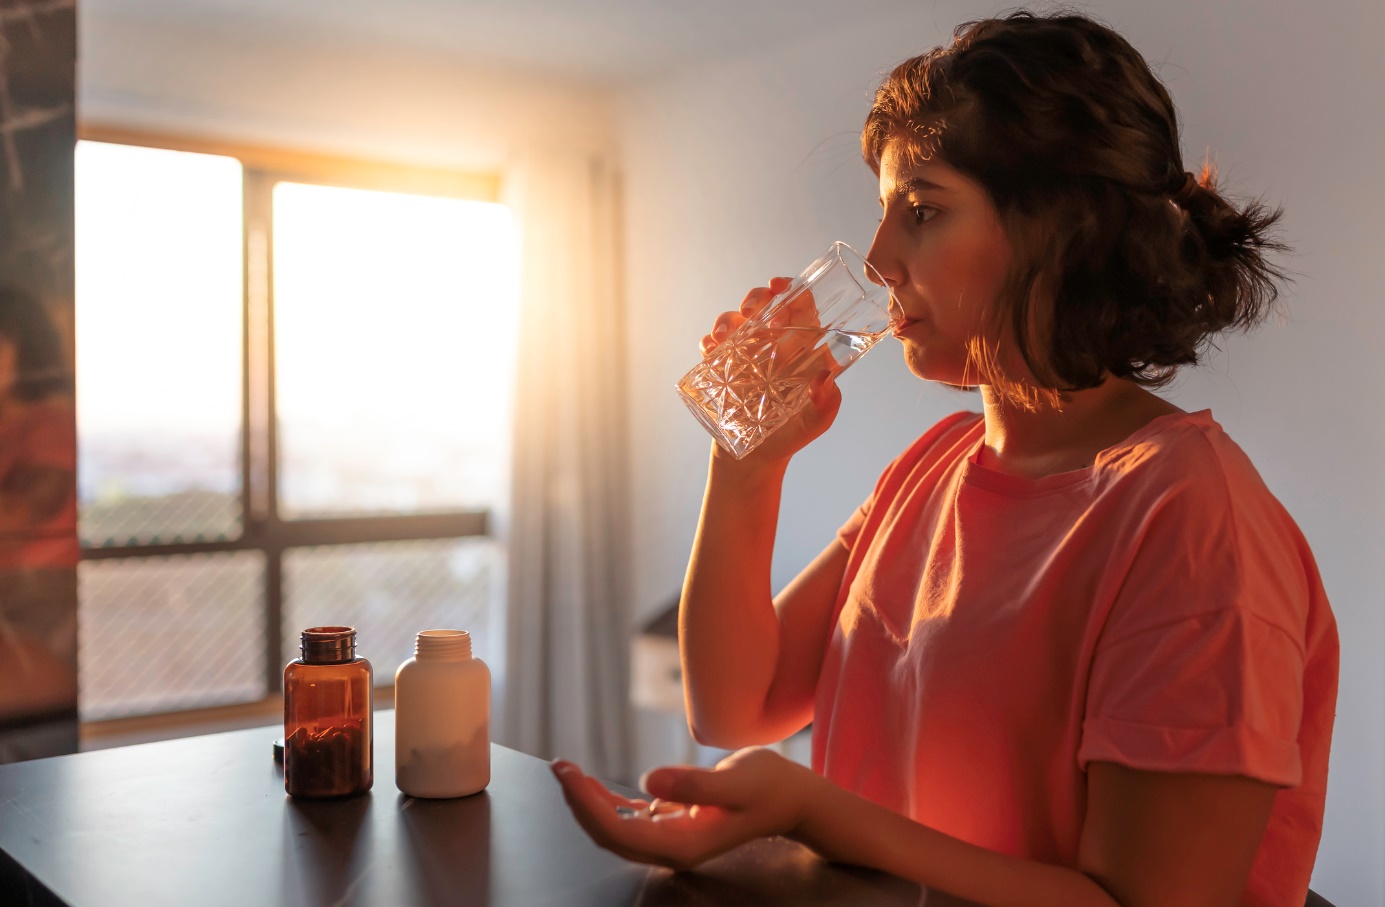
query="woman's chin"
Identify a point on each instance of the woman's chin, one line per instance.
(926, 366)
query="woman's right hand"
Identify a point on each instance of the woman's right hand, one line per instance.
(825, 398)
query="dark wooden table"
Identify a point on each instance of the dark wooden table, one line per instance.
(204, 821)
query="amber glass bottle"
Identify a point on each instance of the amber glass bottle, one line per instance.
(328, 691)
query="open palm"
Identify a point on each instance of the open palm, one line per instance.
(752, 793)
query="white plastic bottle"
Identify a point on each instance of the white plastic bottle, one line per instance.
(442, 702)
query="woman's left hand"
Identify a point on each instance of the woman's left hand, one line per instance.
(696, 813)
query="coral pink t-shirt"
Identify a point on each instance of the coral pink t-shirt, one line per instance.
(995, 634)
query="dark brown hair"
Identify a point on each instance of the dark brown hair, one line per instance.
(1124, 263)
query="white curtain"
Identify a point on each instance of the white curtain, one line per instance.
(567, 621)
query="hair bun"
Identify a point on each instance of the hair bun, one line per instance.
(1182, 187)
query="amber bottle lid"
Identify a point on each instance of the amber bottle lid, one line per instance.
(328, 645)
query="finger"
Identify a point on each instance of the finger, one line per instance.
(596, 800)
(726, 323)
(723, 327)
(587, 819)
(802, 311)
(825, 394)
(638, 839)
(680, 837)
(697, 816)
(663, 778)
(691, 785)
(569, 774)
(795, 312)
(660, 807)
(593, 809)
(614, 800)
(756, 300)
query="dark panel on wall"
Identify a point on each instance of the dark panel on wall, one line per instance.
(38, 438)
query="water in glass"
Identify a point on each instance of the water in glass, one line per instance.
(757, 378)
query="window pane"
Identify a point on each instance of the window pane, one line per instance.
(167, 633)
(159, 259)
(394, 336)
(389, 591)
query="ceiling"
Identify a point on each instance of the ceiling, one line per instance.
(605, 41)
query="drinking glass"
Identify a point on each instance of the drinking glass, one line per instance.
(759, 376)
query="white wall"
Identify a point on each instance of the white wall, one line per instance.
(371, 102)
(747, 168)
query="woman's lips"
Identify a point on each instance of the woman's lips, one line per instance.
(902, 325)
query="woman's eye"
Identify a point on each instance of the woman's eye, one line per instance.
(923, 213)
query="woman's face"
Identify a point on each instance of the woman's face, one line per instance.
(941, 249)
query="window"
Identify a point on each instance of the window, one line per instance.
(293, 402)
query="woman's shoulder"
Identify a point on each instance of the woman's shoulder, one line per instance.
(1202, 511)
(1187, 462)
(1182, 447)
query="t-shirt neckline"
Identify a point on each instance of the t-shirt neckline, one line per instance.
(976, 475)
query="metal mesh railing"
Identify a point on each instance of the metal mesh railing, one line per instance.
(168, 519)
(166, 633)
(389, 591)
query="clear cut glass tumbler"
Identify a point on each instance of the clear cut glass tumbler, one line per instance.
(759, 376)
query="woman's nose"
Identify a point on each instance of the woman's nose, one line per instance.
(883, 264)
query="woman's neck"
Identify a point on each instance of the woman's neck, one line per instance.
(1033, 443)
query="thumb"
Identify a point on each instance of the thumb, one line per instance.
(684, 784)
(826, 396)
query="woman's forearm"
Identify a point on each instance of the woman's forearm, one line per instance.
(728, 633)
(848, 828)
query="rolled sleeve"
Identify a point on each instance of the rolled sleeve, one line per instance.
(1220, 693)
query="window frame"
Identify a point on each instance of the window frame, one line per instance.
(262, 529)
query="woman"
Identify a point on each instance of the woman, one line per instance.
(1071, 651)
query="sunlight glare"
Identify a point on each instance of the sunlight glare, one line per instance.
(394, 321)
